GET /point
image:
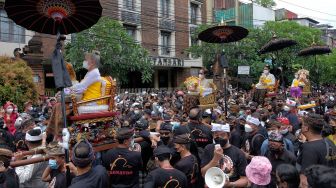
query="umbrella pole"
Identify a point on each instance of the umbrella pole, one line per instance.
(318, 85)
(225, 92)
(65, 137)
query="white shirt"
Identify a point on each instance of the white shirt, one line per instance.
(270, 77)
(90, 78)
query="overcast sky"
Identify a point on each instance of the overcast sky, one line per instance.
(323, 11)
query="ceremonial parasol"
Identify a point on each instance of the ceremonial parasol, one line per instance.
(313, 51)
(223, 34)
(56, 17)
(276, 44)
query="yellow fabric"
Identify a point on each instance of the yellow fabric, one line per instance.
(106, 90)
(331, 137)
(93, 91)
(296, 83)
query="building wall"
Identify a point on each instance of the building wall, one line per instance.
(182, 28)
(7, 48)
(261, 15)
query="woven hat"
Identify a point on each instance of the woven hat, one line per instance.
(182, 139)
(55, 149)
(259, 170)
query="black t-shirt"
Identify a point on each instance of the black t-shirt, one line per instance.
(233, 163)
(168, 178)
(59, 178)
(254, 142)
(286, 157)
(315, 152)
(123, 166)
(96, 177)
(201, 134)
(237, 137)
(12, 180)
(189, 166)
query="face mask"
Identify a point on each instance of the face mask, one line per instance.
(266, 71)
(285, 131)
(221, 141)
(165, 139)
(53, 164)
(241, 112)
(269, 132)
(85, 64)
(136, 111)
(9, 110)
(286, 108)
(30, 108)
(248, 128)
(175, 124)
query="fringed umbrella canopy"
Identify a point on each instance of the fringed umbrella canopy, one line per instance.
(277, 44)
(54, 16)
(223, 34)
(315, 50)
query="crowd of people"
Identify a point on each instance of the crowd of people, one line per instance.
(257, 142)
(161, 145)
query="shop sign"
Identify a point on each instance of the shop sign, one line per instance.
(166, 62)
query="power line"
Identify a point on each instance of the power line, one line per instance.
(307, 8)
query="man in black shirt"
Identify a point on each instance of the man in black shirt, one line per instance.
(200, 133)
(55, 171)
(316, 150)
(123, 165)
(87, 176)
(256, 136)
(188, 163)
(277, 154)
(225, 156)
(165, 175)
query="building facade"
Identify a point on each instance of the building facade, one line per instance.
(249, 14)
(164, 28)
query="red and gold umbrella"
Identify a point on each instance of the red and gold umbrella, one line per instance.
(54, 16)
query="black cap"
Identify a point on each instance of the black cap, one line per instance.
(181, 130)
(125, 133)
(166, 117)
(166, 126)
(161, 150)
(141, 124)
(148, 111)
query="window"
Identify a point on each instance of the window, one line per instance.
(165, 43)
(9, 31)
(131, 31)
(165, 8)
(129, 4)
(193, 13)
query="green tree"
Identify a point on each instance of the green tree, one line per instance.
(120, 53)
(265, 3)
(16, 82)
(245, 52)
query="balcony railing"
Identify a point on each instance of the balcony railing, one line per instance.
(167, 24)
(130, 17)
